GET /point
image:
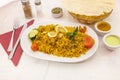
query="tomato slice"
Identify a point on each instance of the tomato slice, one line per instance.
(34, 47)
(88, 41)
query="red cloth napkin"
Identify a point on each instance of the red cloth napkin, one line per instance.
(5, 39)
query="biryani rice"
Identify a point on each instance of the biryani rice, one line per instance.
(60, 46)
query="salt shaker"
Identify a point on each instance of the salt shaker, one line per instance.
(27, 9)
(38, 6)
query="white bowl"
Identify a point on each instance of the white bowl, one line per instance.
(100, 31)
(58, 14)
(111, 41)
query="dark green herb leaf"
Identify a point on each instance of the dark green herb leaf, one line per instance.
(75, 32)
(69, 33)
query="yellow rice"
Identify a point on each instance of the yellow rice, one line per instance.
(60, 46)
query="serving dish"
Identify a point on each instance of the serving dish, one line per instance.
(102, 28)
(57, 12)
(26, 43)
(89, 11)
(111, 41)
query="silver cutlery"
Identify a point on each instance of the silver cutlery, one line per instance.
(16, 24)
(17, 42)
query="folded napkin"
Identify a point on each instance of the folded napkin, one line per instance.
(5, 39)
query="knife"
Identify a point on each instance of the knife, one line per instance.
(17, 42)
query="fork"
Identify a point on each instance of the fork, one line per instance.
(16, 24)
(17, 42)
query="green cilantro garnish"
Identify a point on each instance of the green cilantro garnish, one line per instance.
(72, 35)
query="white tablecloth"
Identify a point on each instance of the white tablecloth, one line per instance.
(104, 65)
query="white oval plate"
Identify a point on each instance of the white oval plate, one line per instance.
(26, 43)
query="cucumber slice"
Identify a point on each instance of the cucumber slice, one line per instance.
(33, 34)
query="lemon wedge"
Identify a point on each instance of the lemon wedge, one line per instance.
(60, 28)
(52, 34)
